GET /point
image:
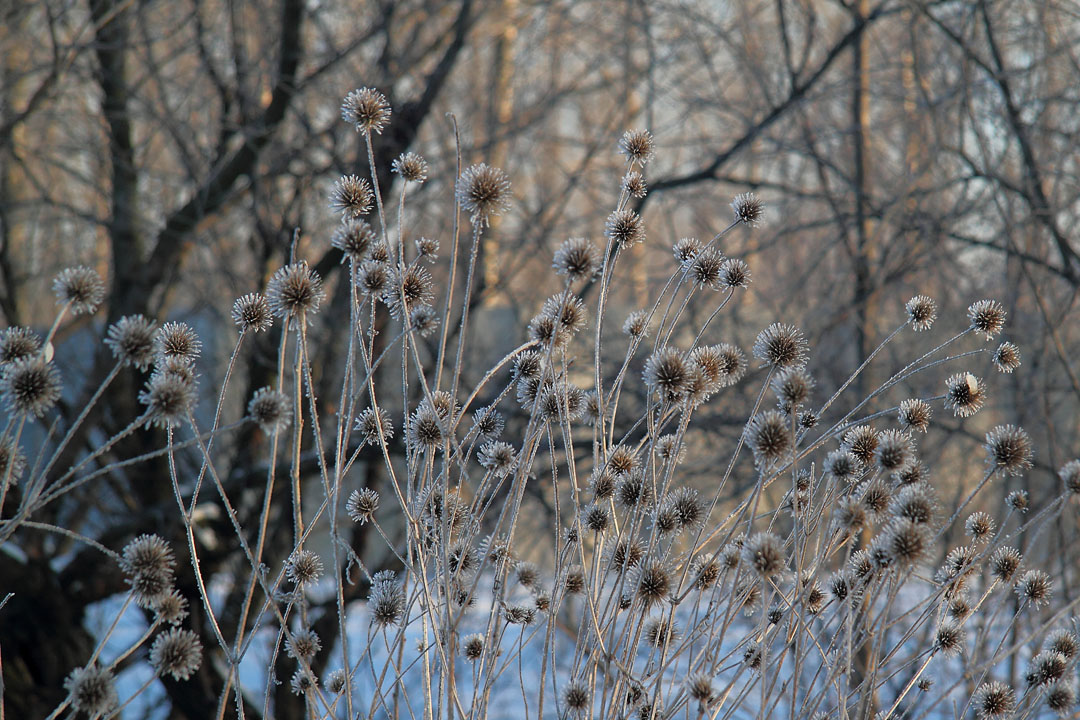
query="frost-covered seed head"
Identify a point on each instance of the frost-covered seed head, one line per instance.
(633, 184)
(303, 568)
(637, 324)
(1070, 476)
(411, 167)
(353, 238)
(921, 311)
(362, 505)
(177, 340)
(577, 258)
(252, 312)
(624, 228)
(914, 415)
(91, 690)
(979, 526)
(131, 340)
(30, 386)
(1007, 357)
(352, 196)
(16, 343)
(993, 700)
(894, 451)
(781, 346)
(637, 146)
(81, 287)
(748, 209)
(1009, 449)
(270, 409)
(964, 394)
(294, 290)
(764, 553)
(769, 436)
(367, 109)
(483, 191)
(1034, 587)
(303, 645)
(176, 652)
(988, 317)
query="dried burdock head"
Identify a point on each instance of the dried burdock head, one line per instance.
(545, 330)
(916, 472)
(373, 278)
(664, 520)
(335, 682)
(667, 373)
(488, 422)
(1046, 668)
(763, 552)
(177, 653)
(735, 273)
(685, 504)
(171, 608)
(30, 386)
(875, 496)
(81, 288)
(148, 563)
(959, 607)
(959, 564)
(424, 428)
(351, 196)
(752, 655)
(596, 518)
(1006, 357)
(949, 638)
(633, 490)
(427, 248)
(861, 566)
(519, 614)
(252, 312)
(624, 228)
(367, 109)
(1018, 500)
(295, 290)
(91, 690)
(528, 574)
(602, 483)
(169, 399)
(423, 320)
(472, 646)
(706, 571)
(386, 600)
(987, 316)
(685, 249)
(914, 414)
(839, 585)
(637, 146)
(131, 340)
(670, 449)
(964, 394)
(623, 460)
(914, 502)
(636, 324)
(843, 466)
(792, 388)
(303, 644)
(353, 238)
(748, 209)
(1009, 449)
(177, 340)
(567, 311)
(483, 191)
(808, 419)
(411, 167)
(921, 312)
(781, 346)
(813, 597)
(1064, 641)
(850, 515)
(979, 526)
(379, 252)
(498, 457)
(375, 427)
(496, 548)
(16, 343)
(270, 409)
(1070, 476)
(1034, 587)
(576, 698)
(415, 287)
(303, 681)
(774, 614)
(1061, 697)
(633, 184)
(769, 436)
(528, 364)
(577, 258)
(652, 581)
(905, 542)
(993, 700)
(177, 367)
(12, 462)
(894, 451)
(704, 268)
(731, 553)
(862, 442)
(1005, 563)
(660, 633)
(303, 568)
(362, 505)
(574, 580)
(624, 555)
(699, 687)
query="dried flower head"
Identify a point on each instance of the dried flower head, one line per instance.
(303, 567)
(169, 399)
(905, 542)
(373, 278)
(949, 638)
(706, 570)
(862, 442)
(670, 449)
(1009, 449)
(633, 184)
(303, 681)
(653, 582)
(748, 209)
(659, 633)
(637, 324)
(1005, 563)
(577, 258)
(1064, 641)
(483, 191)
(411, 167)
(148, 563)
(386, 600)
(498, 457)
(914, 502)
(171, 608)
(176, 652)
(427, 248)
(764, 553)
(792, 386)
(472, 646)
(131, 340)
(988, 317)
(374, 427)
(704, 268)
(367, 109)
(1046, 668)
(270, 409)
(596, 518)
(303, 644)
(769, 436)
(980, 526)
(1061, 697)
(964, 394)
(1070, 476)
(415, 287)
(921, 311)
(1018, 500)
(781, 346)
(30, 386)
(81, 288)
(295, 290)
(177, 340)
(894, 451)
(335, 682)
(519, 614)
(12, 462)
(362, 505)
(735, 273)
(17, 342)
(1034, 587)
(353, 238)
(423, 320)
(252, 312)
(632, 490)
(351, 196)
(666, 373)
(842, 465)
(993, 700)
(1006, 357)
(699, 687)
(637, 146)
(624, 228)
(91, 690)
(685, 249)
(914, 414)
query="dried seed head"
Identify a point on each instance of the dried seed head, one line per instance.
(270, 409)
(1005, 563)
(362, 505)
(633, 184)
(964, 394)
(1046, 668)
(850, 515)
(894, 451)
(148, 563)
(659, 632)
(367, 109)
(623, 460)
(498, 457)
(568, 312)
(252, 312)
(914, 414)
(528, 365)
(980, 526)
(472, 646)
(16, 343)
(949, 638)
(781, 346)
(905, 542)
(624, 555)
(375, 427)
(686, 506)
(352, 196)
(1063, 641)
(637, 146)
(875, 497)
(303, 645)
(12, 462)
(685, 249)
(637, 324)
(748, 209)
(574, 582)
(1061, 697)
(373, 278)
(131, 340)
(993, 700)
(666, 373)
(1007, 357)
(792, 387)
(386, 600)
(916, 472)
(488, 422)
(295, 290)
(842, 465)
(577, 258)
(704, 268)
(81, 287)
(169, 399)
(379, 252)
(176, 652)
(427, 248)
(602, 484)
(1018, 500)
(483, 191)
(670, 449)
(632, 490)
(769, 436)
(624, 228)
(303, 568)
(303, 681)
(171, 608)
(177, 340)
(764, 553)
(424, 428)
(576, 698)
(1070, 476)
(596, 518)
(423, 320)
(1009, 449)
(519, 614)
(988, 317)
(91, 690)
(1034, 587)
(921, 311)
(699, 686)
(653, 582)
(752, 655)
(706, 570)
(862, 442)
(914, 502)
(353, 238)
(839, 586)
(411, 167)
(30, 386)
(335, 682)
(735, 273)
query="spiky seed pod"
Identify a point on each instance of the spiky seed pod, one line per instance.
(12, 462)
(568, 311)
(528, 364)
(914, 414)
(686, 506)
(748, 209)
(169, 399)
(176, 652)
(545, 330)
(374, 278)
(148, 563)
(987, 316)
(1046, 668)
(959, 607)
(781, 346)
(875, 497)
(916, 472)
(131, 340)
(839, 586)
(427, 248)
(894, 451)
(294, 290)
(706, 570)
(906, 542)
(303, 568)
(699, 687)
(664, 520)
(577, 258)
(171, 608)
(850, 515)
(574, 582)
(774, 615)
(353, 238)
(414, 288)
(704, 268)
(1008, 449)
(30, 386)
(375, 427)
(731, 554)
(764, 553)
(91, 690)
(666, 373)
(177, 367)
(624, 228)
(752, 655)
(959, 564)
(596, 518)
(303, 681)
(659, 632)
(1006, 357)
(81, 288)
(632, 490)
(637, 146)
(1034, 587)
(423, 320)
(843, 466)
(602, 484)
(624, 555)
(979, 526)
(367, 109)
(921, 312)
(813, 597)
(472, 647)
(304, 644)
(352, 196)
(386, 601)
(993, 700)
(735, 273)
(670, 449)
(362, 505)
(177, 340)
(792, 388)
(1061, 697)
(862, 442)
(633, 184)
(424, 428)
(252, 312)
(16, 343)
(498, 457)
(964, 394)
(949, 638)
(411, 167)
(769, 436)
(483, 191)
(488, 422)
(379, 252)
(914, 502)
(270, 409)
(1005, 563)
(652, 582)
(685, 249)
(335, 682)
(1070, 476)
(623, 460)
(576, 698)
(637, 324)
(519, 614)
(1018, 500)
(1064, 641)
